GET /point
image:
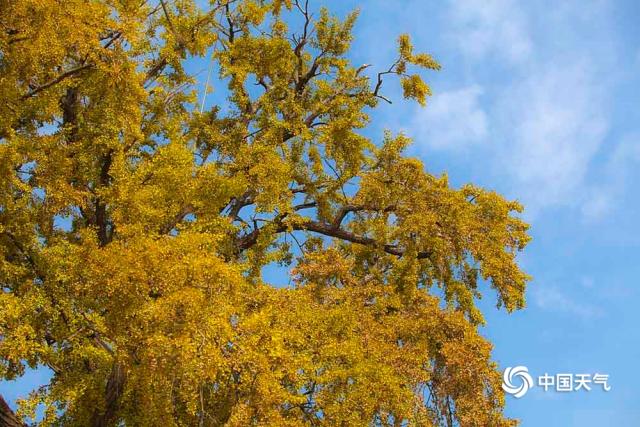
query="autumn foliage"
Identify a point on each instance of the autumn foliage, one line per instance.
(135, 224)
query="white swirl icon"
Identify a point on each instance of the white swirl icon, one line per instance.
(521, 372)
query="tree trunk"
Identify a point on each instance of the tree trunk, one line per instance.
(7, 417)
(115, 386)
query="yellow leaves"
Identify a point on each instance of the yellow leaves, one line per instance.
(496, 232)
(324, 268)
(461, 295)
(158, 191)
(254, 11)
(264, 57)
(334, 37)
(463, 229)
(423, 60)
(404, 46)
(277, 5)
(316, 161)
(266, 172)
(20, 342)
(414, 87)
(213, 190)
(133, 227)
(392, 147)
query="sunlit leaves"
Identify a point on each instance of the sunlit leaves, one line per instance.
(134, 226)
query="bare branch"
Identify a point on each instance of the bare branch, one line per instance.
(391, 70)
(304, 206)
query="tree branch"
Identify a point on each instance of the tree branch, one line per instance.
(332, 229)
(56, 80)
(376, 91)
(166, 228)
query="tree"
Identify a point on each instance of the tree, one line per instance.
(134, 225)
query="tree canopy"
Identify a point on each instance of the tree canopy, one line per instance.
(135, 224)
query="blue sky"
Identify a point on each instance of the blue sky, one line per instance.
(537, 100)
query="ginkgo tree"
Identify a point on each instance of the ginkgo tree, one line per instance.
(135, 225)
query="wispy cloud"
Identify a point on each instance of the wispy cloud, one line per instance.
(490, 27)
(460, 106)
(601, 198)
(554, 122)
(552, 299)
(547, 119)
(530, 97)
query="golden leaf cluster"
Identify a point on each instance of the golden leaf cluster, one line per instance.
(134, 226)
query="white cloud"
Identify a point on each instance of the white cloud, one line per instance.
(625, 155)
(551, 118)
(600, 199)
(552, 299)
(531, 100)
(554, 122)
(482, 27)
(587, 282)
(452, 119)
(597, 204)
